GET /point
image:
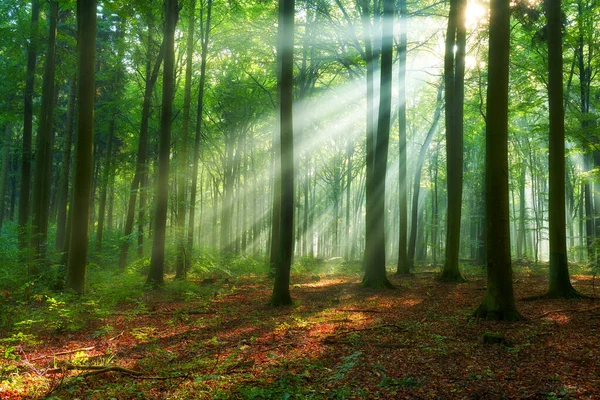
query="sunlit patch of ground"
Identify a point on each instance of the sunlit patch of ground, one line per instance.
(338, 341)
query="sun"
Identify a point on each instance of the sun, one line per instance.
(475, 14)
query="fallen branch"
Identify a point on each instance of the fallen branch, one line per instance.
(358, 310)
(575, 310)
(64, 353)
(101, 369)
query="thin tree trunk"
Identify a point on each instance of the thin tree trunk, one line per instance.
(41, 187)
(412, 243)
(25, 189)
(182, 261)
(141, 167)
(63, 186)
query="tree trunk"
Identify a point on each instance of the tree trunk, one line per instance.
(403, 267)
(6, 143)
(141, 168)
(412, 244)
(498, 303)
(41, 187)
(24, 197)
(104, 183)
(182, 261)
(559, 282)
(82, 185)
(281, 287)
(375, 271)
(204, 38)
(63, 186)
(454, 71)
(157, 262)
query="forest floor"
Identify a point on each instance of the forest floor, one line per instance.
(218, 339)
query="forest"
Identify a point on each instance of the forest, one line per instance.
(292, 199)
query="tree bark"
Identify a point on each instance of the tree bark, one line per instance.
(281, 287)
(498, 303)
(559, 282)
(454, 71)
(157, 262)
(403, 267)
(25, 190)
(204, 38)
(375, 271)
(63, 186)
(41, 186)
(82, 185)
(182, 260)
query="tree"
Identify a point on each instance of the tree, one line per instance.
(454, 71)
(498, 302)
(182, 170)
(156, 273)
(560, 284)
(139, 178)
(403, 263)
(412, 242)
(193, 191)
(281, 288)
(24, 205)
(374, 258)
(43, 156)
(82, 186)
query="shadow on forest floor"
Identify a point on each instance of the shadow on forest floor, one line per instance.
(338, 341)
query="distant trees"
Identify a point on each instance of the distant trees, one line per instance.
(222, 200)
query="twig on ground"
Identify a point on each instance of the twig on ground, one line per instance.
(101, 369)
(64, 353)
(358, 310)
(575, 310)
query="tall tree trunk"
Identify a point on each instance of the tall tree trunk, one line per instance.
(6, 143)
(204, 38)
(281, 287)
(454, 71)
(104, 183)
(412, 243)
(157, 262)
(498, 303)
(141, 168)
(24, 197)
(559, 282)
(82, 185)
(403, 267)
(63, 186)
(41, 186)
(375, 272)
(182, 261)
